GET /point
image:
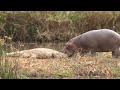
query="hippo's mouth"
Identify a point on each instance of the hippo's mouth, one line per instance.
(70, 55)
(68, 52)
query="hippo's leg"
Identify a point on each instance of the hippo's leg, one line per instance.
(93, 53)
(116, 53)
(83, 52)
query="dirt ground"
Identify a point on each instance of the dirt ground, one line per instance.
(77, 67)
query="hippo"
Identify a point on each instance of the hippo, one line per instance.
(101, 40)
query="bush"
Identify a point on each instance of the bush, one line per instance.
(54, 25)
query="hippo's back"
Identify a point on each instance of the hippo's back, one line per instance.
(101, 32)
(100, 40)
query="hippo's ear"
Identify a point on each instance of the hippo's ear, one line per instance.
(66, 44)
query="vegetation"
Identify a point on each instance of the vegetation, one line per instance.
(50, 26)
(45, 26)
(101, 66)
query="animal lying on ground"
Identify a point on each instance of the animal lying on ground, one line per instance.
(38, 53)
(102, 40)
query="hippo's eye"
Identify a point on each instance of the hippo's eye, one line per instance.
(69, 47)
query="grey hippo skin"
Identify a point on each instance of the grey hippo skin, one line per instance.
(102, 40)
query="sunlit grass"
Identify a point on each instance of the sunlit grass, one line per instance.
(87, 67)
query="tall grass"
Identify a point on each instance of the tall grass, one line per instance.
(8, 68)
(54, 25)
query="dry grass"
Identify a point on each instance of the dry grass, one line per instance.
(51, 26)
(77, 67)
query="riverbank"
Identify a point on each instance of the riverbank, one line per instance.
(102, 66)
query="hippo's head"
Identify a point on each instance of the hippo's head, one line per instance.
(69, 48)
